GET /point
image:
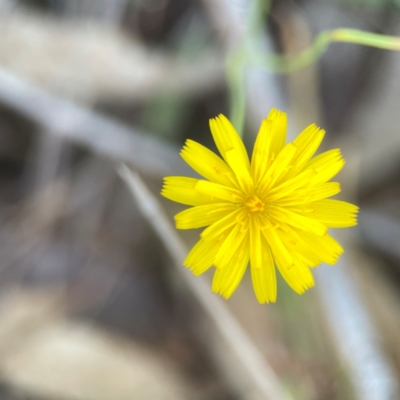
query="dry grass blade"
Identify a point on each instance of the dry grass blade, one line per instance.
(257, 367)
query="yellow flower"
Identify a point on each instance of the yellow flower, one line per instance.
(272, 211)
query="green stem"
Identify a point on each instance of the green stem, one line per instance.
(237, 61)
(289, 63)
(366, 38)
(237, 90)
(285, 64)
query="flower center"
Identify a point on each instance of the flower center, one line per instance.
(254, 204)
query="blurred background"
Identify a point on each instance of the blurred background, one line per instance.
(91, 304)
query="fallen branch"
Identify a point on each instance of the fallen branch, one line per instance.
(98, 133)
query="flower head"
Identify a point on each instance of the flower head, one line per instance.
(272, 212)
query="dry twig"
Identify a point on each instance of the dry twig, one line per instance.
(257, 367)
(100, 134)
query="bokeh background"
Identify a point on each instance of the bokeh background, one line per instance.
(92, 306)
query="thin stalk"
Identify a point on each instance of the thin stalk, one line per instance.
(257, 367)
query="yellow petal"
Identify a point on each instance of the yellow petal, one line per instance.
(256, 259)
(182, 190)
(298, 277)
(207, 163)
(197, 217)
(326, 166)
(310, 194)
(324, 160)
(278, 167)
(229, 246)
(226, 138)
(219, 227)
(296, 244)
(227, 279)
(326, 248)
(307, 224)
(296, 273)
(241, 171)
(279, 250)
(264, 278)
(327, 173)
(287, 187)
(334, 213)
(259, 158)
(279, 128)
(202, 255)
(218, 192)
(307, 144)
